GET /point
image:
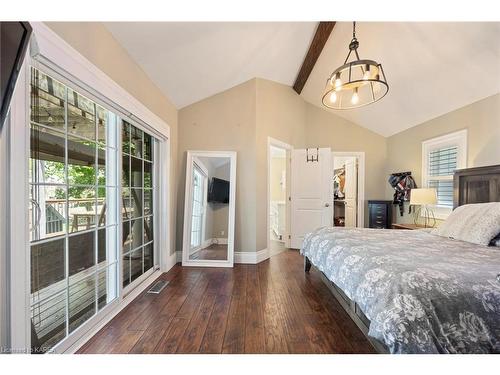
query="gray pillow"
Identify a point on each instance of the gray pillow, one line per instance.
(476, 223)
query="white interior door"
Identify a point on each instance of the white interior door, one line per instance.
(351, 192)
(311, 193)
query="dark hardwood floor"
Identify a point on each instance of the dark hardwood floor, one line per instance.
(271, 307)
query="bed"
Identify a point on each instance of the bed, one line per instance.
(414, 291)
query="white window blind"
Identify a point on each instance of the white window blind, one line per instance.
(442, 164)
(441, 156)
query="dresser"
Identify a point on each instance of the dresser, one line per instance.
(380, 214)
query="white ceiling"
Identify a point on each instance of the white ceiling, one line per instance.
(190, 61)
(431, 68)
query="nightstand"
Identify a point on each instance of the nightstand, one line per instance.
(379, 214)
(408, 226)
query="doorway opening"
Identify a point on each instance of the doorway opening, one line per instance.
(278, 196)
(348, 186)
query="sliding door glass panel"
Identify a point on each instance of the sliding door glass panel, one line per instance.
(47, 211)
(81, 116)
(82, 252)
(148, 257)
(82, 301)
(48, 101)
(73, 211)
(48, 322)
(47, 269)
(137, 202)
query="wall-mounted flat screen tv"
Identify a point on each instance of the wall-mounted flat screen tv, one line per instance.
(218, 191)
(14, 39)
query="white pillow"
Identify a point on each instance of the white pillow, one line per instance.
(477, 223)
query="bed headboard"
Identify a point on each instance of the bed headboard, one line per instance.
(476, 185)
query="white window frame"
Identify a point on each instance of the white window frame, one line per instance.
(459, 139)
(51, 51)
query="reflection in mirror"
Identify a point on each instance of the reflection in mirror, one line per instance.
(210, 208)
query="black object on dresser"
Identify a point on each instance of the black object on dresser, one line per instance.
(380, 214)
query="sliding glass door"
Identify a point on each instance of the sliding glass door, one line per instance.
(138, 188)
(91, 179)
(73, 210)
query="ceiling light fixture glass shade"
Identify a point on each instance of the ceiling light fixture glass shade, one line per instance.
(356, 83)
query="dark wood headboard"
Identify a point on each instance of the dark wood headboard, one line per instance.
(476, 185)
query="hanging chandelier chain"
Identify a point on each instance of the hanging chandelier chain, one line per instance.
(354, 30)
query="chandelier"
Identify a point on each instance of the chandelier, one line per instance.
(356, 83)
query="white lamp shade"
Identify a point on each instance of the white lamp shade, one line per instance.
(423, 196)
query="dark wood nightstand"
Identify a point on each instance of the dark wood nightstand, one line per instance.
(407, 226)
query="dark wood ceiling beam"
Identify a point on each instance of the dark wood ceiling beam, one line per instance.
(323, 31)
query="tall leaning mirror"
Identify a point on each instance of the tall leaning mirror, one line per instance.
(208, 238)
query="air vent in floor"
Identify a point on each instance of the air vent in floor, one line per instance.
(158, 287)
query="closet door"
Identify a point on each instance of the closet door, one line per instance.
(311, 192)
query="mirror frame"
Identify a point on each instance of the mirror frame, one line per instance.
(191, 155)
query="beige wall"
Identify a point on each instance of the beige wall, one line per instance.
(280, 115)
(99, 46)
(223, 122)
(482, 121)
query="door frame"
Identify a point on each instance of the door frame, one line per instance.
(360, 155)
(288, 148)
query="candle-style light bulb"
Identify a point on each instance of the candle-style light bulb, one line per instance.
(333, 97)
(355, 97)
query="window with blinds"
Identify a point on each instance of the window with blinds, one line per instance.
(441, 156)
(442, 164)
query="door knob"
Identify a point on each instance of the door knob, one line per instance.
(327, 204)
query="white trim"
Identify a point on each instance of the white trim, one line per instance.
(186, 243)
(360, 155)
(459, 139)
(18, 259)
(251, 257)
(280, 144)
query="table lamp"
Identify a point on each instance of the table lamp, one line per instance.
(423, 198)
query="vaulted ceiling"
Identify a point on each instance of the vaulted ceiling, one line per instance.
(190, 61)
(432, 68)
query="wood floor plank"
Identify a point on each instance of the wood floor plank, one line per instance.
(172, 337)
(152, 336)
(214, 335)
(254, 320)
(191, 341)
(274, 330)
(234, 338)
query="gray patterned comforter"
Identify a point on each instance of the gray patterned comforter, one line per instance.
(422, 293)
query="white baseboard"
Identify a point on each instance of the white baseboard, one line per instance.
(244, 257)
(251, 257)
